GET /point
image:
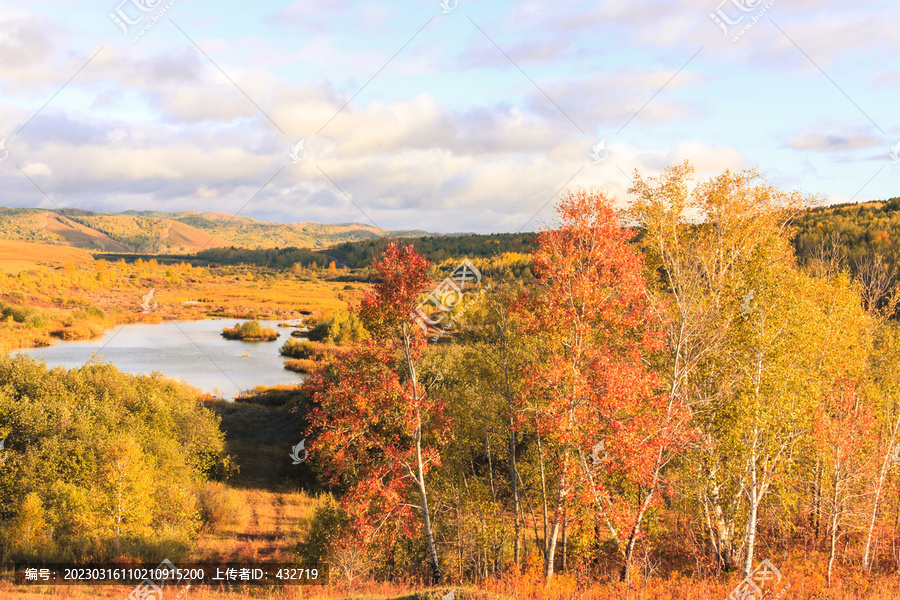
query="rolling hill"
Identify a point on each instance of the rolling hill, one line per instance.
(18, 256)
(864, 228)
(173, 232)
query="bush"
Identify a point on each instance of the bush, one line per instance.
(220, 506)
(300, 365)
(250, 331)
(98, 462)
(295, 348)
(318, 332)
(328, 523)
(94, 311)
(19, 314)
(313, 351)
(36, 321)
(339, 328)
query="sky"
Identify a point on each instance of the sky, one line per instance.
(452, 116)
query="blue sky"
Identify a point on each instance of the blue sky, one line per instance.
(469, 119)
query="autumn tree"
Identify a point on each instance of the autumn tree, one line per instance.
(754, 345)
(470, 490)
(495, 333)
(843, 432)
(794, 343)
(884, 395)
(375, 427)
(590, 385)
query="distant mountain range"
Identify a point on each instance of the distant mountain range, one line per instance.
(174, 232)
(864, 228)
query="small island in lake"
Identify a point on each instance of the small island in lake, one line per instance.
(250, 331)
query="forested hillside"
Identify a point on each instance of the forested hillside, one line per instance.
(859, 229)
(360, 254)
(437, 249)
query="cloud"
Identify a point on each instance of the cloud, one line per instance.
(609, 100)
(707, 159)
(28, 46)
(833, 142)
(480, 53)
(53, 125)
(450, 136)
(34, 169)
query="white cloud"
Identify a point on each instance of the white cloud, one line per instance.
(833, 142)
(34, 169)
(449, 137)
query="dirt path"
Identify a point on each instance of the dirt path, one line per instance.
(269, 532)
(273, 511)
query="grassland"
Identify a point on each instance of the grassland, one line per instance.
(18, 256)
(50, 292)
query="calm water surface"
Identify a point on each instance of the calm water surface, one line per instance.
(193, 351)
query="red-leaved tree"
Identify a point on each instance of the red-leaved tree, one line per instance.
(594, 401)
(374, 428)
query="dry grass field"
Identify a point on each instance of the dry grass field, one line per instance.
(18, 256)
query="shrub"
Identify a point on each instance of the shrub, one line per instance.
(328, 523)
(311, 351)
(340, 327)
(220, 506)
(318, 332)
(250, 331)
(98, 462)
(94, 311)
(19, 314)
(295, 348)
(300, 365)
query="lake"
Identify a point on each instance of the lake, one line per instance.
(193, 351)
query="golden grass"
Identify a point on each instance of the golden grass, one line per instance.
(268, 530)
(521, 587)
(18, 256)
(301, 365)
